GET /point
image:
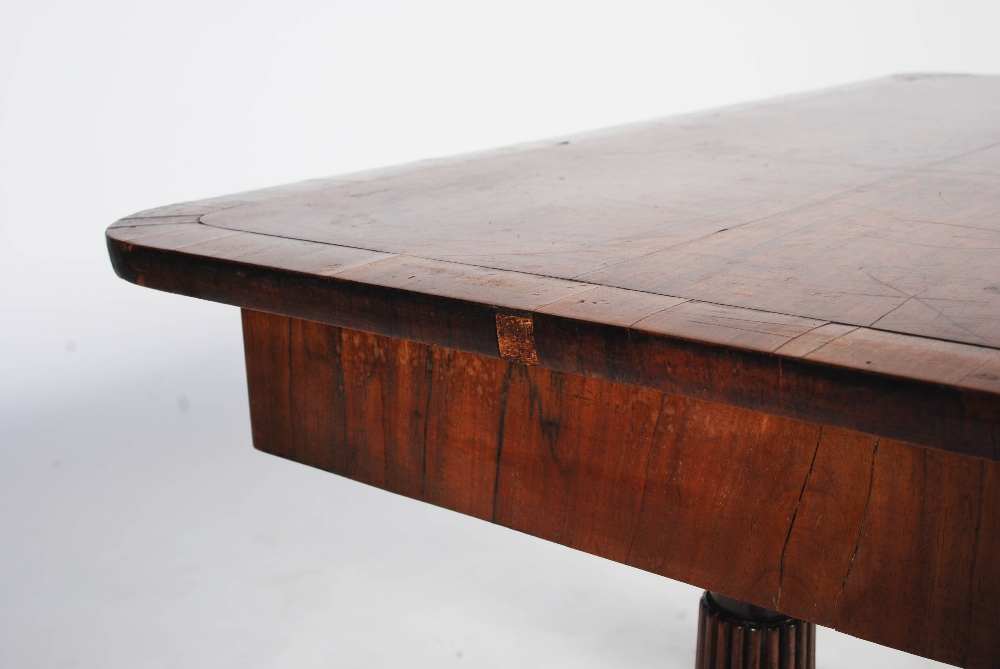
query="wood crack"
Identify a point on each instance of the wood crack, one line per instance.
(861, 532)
(645, 479)
(504, 390)
(293, 427)
(975, 546)
(795, 513)
(427, 418)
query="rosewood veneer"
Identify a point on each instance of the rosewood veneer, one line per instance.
(755, 349)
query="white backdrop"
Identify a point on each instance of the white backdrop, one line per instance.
(139, 528)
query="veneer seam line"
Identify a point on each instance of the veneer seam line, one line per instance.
(385, 256)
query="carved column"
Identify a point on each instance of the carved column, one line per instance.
(736, 635)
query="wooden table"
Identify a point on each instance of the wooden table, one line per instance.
(754, 349)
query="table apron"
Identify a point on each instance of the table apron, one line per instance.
(880, 539)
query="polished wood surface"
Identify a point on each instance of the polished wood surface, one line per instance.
(755, 349)
(880, 539)
(828, 257)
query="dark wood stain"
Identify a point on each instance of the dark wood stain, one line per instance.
(884, 540)
(796, 257)
(755, 349)
(833, 384)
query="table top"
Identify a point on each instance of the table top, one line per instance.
(830, 257)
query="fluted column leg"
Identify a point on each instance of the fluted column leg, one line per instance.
(736, 635)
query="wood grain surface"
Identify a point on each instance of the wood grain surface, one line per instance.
(828, 257)
(884, 540)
